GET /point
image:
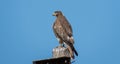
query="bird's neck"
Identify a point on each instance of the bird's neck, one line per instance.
(60, 16)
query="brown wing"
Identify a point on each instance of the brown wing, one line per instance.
(66, 25)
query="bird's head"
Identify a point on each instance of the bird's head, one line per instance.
(57, 13)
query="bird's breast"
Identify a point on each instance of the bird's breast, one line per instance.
(57, 27)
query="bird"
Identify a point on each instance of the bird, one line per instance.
(64, 33)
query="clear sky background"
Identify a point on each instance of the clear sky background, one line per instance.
(26, 30)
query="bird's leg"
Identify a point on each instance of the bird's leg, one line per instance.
(61, 43)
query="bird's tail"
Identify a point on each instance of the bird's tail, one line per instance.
(75, 51)
(72, 47)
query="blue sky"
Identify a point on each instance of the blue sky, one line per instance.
(26, 30)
